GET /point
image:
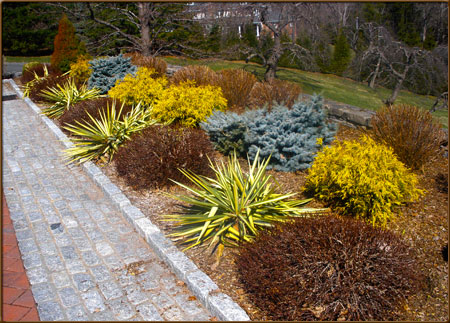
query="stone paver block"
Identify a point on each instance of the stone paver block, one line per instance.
(110, 290)
(162, 300)
(149, 312)
(93, 301)
(27, 246)
(32, 260)
(180, 264)
(83, 281)
(37, 275)
(225, 308)
(61, 279)
(200, 284)
(100, 273)
(121, 309)
(50, 311)
(42, 292)
(135, 295)
(54, 262)
(69, 297)
(90, 258)
(77, 313)
(104, 248)
(189, 305)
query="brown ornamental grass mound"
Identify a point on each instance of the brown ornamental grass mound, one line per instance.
(328, 269)
(411, 132)
(201, 75)
(158, 64)
(151, 158)
(274, 91)
(236, 85)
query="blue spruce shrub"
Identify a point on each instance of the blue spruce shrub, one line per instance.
(227, 132)
(106, 71)
(290, 135)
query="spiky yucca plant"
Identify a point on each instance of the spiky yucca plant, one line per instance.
(232, 207)
(29, 85)
(65, 96)
(102, 138)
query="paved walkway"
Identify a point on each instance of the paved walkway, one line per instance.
(82, 258)
(17, 300)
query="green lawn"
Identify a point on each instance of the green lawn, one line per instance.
(331, 87)
(22, 59)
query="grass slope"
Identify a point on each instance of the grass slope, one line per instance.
(22, 59)
(331, 87)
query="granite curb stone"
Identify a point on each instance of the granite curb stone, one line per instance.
(197, 281)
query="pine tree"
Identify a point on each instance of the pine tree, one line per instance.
(341, 55)
(67, 46)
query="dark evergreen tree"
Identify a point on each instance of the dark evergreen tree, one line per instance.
(28, 29)
(341, 55)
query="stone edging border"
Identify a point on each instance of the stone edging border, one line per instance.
(219, 304)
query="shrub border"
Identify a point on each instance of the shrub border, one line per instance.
(219, 304)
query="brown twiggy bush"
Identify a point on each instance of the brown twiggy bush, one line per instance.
(276, 90)
(79, 111)
(201, 75)
(152, 157)
(410, 131)
(158, 64)
(325, 268)
(236, 86)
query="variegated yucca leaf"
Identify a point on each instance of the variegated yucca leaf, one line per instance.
(102, 138)
(233, 206)
(66, 96)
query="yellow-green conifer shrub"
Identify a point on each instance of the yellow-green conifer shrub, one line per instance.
(145, 87)
(188, 104)
(364, 179)
(80, 70)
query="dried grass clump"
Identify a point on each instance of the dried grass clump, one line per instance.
(79, 111)
(236, 86)
(411, 132)
(158, 64)
(278, 91)
(151, 158)
(328, 269)
(201, 75)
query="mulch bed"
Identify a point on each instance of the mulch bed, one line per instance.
(423, 224)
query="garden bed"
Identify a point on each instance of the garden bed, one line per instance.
(422, 224)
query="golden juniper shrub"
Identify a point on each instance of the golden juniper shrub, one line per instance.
(80, 70)
(145, 87)
(364, 179)
(188, 104)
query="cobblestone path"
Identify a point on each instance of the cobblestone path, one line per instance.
(82, 259)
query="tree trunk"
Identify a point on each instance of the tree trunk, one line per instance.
(272, 62)
(397, 89)
(144, 13)
(375, 74)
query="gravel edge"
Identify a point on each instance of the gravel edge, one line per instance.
(219, 304)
